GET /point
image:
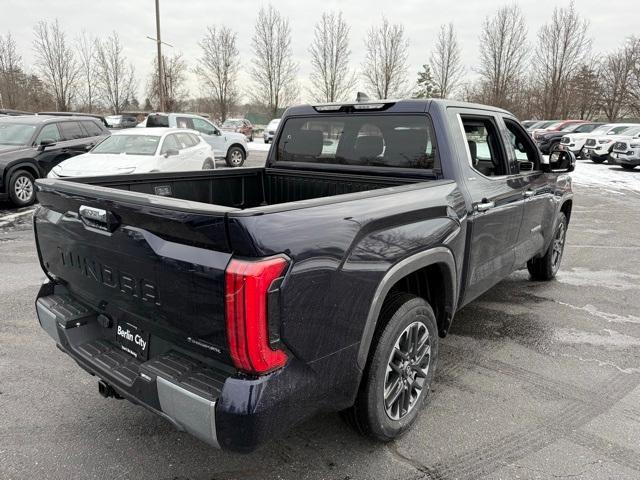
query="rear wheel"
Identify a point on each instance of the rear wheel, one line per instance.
(22, 189)
(628, 167)
(401, 365)
(235, 157)
(546, 267)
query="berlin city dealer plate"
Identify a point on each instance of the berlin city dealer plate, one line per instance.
(133, 340)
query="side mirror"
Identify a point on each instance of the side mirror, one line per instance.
(171, 152)
(46, 142)
(560, 161)
(217, 133)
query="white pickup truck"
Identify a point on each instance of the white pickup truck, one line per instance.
(598, 147)
(230, 146)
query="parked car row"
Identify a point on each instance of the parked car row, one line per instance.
(618, 143)
(64, 144)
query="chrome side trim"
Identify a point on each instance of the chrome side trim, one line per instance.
(194, 414)
(409, 265)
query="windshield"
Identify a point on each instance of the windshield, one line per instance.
(15, 133)
(583, 128)
(128, 145)
(231, 123)
(632, 131)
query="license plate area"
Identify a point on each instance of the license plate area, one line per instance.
(133, 340)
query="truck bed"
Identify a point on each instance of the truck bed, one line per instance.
(247, 188)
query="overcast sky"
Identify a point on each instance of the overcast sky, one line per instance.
(184, 23)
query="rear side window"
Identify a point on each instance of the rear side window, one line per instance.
(157, 121)
(71, 130)
(92, 128)
(399, 141)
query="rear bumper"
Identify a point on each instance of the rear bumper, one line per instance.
(171, 385)
(221, 408)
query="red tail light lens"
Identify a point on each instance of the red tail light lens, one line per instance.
(246, 291)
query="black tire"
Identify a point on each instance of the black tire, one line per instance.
(554, 146)
(628, 167)
(547, 266)
(251, 138)
(22, 189)
(372, 414)
(209, 164)
(235, 157)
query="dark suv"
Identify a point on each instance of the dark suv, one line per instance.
(31, 146)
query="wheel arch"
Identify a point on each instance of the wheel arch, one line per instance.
(566, 209)
(239, 145)
(20, 165)
(436, 266)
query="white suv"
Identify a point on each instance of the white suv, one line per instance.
(230, 146)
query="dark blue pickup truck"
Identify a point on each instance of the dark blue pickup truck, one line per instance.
(237, 303)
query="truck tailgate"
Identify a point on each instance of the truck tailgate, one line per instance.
(143, 266)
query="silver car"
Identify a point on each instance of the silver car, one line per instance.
(270, 130)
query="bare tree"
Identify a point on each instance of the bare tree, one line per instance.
(218, 68)
(115, 78)
(562, 47)
(56, 62)
(10, 72)
(331, 78)
(274, 70)
(446, 62)
(87, 76)
(617, 76)
(503, 54)
(385, 66)
(174, 82)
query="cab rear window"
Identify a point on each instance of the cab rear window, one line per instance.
(399, 141)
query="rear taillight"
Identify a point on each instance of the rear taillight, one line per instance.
(246, 296)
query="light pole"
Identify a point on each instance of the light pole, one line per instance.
(160, 70)
(159, 43)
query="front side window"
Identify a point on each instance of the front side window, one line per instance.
(50, 133)
(202, 126)
(128, 145)
(484, 145)
(185, 140)
(399, 141)
(522, 149)
(170, 143)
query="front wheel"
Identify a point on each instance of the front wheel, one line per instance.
(22, 190)
(598, 159)
(554, 146)
(235, 157)
(628, 167)
(546, 267)
(402, 362)
(208, 164)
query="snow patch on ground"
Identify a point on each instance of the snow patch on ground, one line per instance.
(609, 178)
(258, 146)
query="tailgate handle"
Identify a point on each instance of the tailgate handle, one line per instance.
(98, 218)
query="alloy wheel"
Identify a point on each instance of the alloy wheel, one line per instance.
(407, 370)
(558, 246)
(235, 157)
(23, 188)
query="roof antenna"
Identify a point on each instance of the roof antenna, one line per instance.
(362, 97)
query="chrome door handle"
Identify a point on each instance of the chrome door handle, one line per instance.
(483, 207)
(528, 193)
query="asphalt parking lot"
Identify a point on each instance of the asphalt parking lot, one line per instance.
(536, 380)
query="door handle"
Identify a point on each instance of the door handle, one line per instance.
(528, 193)
(483, 207)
